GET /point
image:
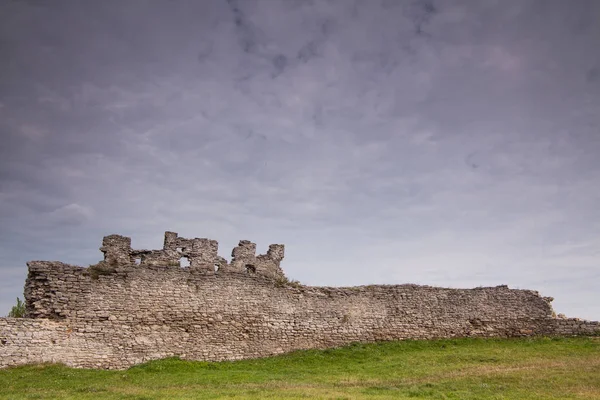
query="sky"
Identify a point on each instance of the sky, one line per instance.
(450, 143)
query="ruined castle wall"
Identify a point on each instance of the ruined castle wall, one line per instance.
(28, 341)
(139, 305)
(137, 314)
(575, 327)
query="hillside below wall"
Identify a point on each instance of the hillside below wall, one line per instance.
(138, 314)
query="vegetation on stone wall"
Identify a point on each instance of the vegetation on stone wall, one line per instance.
(283, 281)
(18, 310)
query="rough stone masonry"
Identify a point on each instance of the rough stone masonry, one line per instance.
(140, 305)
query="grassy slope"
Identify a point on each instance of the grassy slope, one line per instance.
(445, 369)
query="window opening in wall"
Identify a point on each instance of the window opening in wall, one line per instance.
(180, 249)
(216, 266)
(184, 262)
(250, 269)
(137, 261)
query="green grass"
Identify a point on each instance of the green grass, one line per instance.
(541, 368)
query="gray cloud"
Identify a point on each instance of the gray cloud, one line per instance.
(451, 143)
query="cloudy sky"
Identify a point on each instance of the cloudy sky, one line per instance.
(452, 143)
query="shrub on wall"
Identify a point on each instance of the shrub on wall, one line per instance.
(17, 311)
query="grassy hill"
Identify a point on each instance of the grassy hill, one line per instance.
(540, 368)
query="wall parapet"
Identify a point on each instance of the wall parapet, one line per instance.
(119, 313)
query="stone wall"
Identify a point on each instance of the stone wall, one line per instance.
(120, 313)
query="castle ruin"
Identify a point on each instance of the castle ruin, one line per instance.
(140, 305)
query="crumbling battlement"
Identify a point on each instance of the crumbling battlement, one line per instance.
(202, 255)
(120, 312)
